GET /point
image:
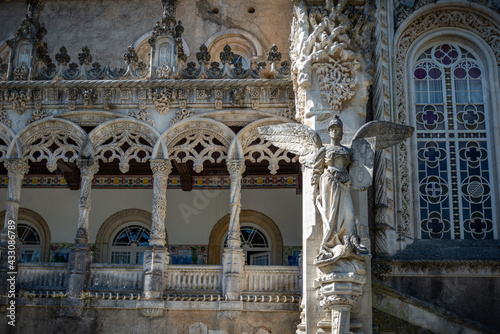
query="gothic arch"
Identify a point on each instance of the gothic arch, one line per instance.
(428, 25)
(198, 140)
(267, 224)
(123, 139)
(256, 149)
(112, 224)
(143, 48)
(48, 139)
(241, 42)
(41, 226)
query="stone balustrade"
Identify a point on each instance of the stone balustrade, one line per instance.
(181, 279)
(41, 276)
(107, 277)
(194, 279)
(271, 280)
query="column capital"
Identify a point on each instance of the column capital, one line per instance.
(88, 166)
(161, 166)
(17, 166)
(235, 167)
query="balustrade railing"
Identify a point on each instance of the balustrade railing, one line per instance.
(181, 279)
(271, 280)
(41, 276)
(107, 277)
(194, 279)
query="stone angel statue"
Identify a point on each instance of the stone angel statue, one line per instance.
(336, 170)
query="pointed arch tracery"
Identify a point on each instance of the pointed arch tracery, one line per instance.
(256, 149)
(124, 140)
(50, 140)
(198, 140)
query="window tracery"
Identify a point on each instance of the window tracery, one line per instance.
(454, 165)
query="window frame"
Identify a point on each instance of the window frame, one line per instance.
(485, 56)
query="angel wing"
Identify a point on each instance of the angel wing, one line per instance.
(387, 134)
(295, 138)
(372, 136)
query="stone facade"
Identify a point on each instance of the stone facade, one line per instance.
(190, 138)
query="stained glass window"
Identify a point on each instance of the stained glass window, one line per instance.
(454, 162)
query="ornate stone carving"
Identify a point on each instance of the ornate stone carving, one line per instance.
(219, 97)
(161, 169)
(332, 179)
(37, 115)
(88, 168)
(72, 95)
(183, 114)
(163, 99)
(19, 99)
(89, 97)
(62, 57)
(124, 143)
(142, 115)
(260, 150)
(333, 40)
(107, 96)
(462, 19)
(51, 145)
(21, 73)
(151, 312)
(198, 143)
(85, 57)
(3, 117)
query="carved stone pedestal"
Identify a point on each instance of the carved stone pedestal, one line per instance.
(78, 265)
(232, 269)
(338, 293)
(155, 264)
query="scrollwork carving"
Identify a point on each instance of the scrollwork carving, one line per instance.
(124, 144)
(163, 99)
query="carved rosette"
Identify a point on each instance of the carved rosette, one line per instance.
(161, 170)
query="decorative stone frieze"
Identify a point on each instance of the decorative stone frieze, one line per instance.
(19, 99)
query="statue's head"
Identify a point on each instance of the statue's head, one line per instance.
(335, 128)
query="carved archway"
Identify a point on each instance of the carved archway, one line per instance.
(41, 226)
(267, 224)
(50, 140)
(241, 42)
(125, 140)
(112, 224)
(256, 149)
(198, 140)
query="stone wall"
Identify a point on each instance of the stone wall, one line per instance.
(474, 298)
(110, 320)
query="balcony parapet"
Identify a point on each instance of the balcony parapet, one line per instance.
(42, 276)
(107, 277)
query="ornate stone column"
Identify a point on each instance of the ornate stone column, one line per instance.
(331, 52)
(233, 258)
(16, 169)
(156, 255)
(80, 256)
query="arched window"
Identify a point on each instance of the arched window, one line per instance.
(453, 147)
(123, 237)
(255, 243)
(260, 239)
(30, 240)
(34, 235)
(129, 244)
